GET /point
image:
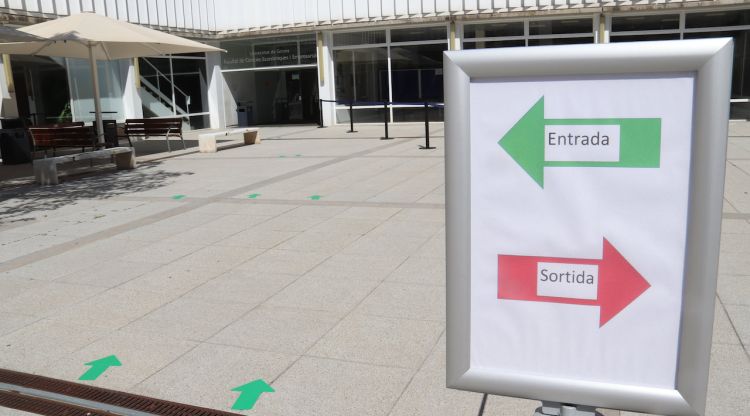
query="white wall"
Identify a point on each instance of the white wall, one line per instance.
(174, 14)
(266, 14)
(221, 15)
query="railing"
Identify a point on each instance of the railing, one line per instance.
(374, 104)
(174, 88)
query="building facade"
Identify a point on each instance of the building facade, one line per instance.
(283, 56)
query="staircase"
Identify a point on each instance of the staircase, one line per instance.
(155, 99)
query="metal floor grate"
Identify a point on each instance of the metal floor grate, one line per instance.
(100, 395)
(45, 407)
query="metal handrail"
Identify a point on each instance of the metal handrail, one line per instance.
(162, 96)
(176, 88)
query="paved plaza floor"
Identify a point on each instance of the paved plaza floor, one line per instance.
(314, 261)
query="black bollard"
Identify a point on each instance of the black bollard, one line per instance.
(426, 127)
(351, 119)
(385, 121)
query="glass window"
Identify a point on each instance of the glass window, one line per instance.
(640, 38)
(258, 53)
(359, 38)
(361, 74)
(361, 115)
(648, 22)
(560, 27)
(560, 41)
(741, 64)
(494, 44)
(717, 19)
(110, 89)
(417, 72)
(492, 30)
(190, 85)
(419, 33)
(417, 114)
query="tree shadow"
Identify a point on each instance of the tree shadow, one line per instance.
(25, 203)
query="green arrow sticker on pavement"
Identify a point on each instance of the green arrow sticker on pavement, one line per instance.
(178, 197)
(314, 197)
(250, 393)
(253, 196)
(535, 142)
(100, 366)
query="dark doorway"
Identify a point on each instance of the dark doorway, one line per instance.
(42, 93)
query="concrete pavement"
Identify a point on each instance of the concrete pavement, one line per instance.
(314, 260)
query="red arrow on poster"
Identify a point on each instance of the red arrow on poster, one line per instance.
(610, 283)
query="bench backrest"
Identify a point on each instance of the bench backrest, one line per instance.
(63, 124)
(153, 126)
(52, 137)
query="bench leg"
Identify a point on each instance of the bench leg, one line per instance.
(45, 172)
(252, 137)
(125, 160)
(183, 143)
(169, 148)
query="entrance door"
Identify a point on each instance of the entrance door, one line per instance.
(287, 96)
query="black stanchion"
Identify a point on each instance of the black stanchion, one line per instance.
(426, 127)
(385, 121)
(351, 119)
(320, 113)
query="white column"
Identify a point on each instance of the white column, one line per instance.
(326, 89)
(132, 106)
(215, 90)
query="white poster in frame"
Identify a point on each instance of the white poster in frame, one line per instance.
(584, 189)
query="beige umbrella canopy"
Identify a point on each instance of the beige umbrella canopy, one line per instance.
(96, 37)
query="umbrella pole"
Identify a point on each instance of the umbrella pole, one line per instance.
(99, 125)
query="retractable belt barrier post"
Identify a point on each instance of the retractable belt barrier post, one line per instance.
(351, 118)
(426, 127)
(385, 121)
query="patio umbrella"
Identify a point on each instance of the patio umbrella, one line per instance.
(95, 37)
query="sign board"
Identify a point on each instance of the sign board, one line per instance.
(584, 189)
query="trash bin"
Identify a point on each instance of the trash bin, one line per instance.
(15, 146)
(242, 116)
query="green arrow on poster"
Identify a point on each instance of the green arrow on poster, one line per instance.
(250, 393)
(100, 366)
(640, 142)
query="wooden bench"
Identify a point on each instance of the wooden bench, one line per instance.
(150, 127)
(45, 170)
(60, 136)
(207, 141)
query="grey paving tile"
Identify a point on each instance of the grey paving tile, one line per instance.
(740, 317)
(723, 331)
(219, 258)
(286, 330)
(323, 294)
(141, 356)
(241, 286)
(734, 226)
(47, 299)
(35, 346)
(380, 341)
(10, 322)
(11, 285)
(380, 245)
(174, 278)
(284, 261)
(254, 238)
(112, 309)
(220, 369)
(162, 252)
(109, 273)
(420, 270)
(400, 300)
(728, 380)
(288, 222)
(734, 289)
(322, 387)
(502, 406)
(368, 213)
(189, 319)
(327, 243)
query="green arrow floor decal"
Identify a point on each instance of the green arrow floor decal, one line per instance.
(253, 196)
(640, 142)
(250, 393)
(314, 197)
(178, 197)
(100, 366)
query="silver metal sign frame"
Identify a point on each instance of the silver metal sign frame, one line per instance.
(711, 62)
